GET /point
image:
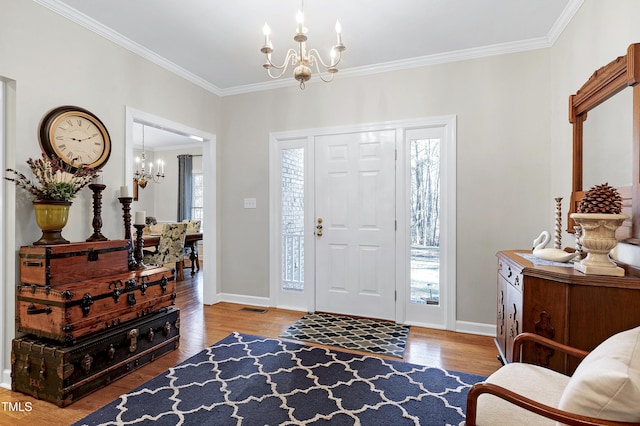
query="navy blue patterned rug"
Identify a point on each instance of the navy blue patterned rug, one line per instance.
(362, 334)
(249, 380)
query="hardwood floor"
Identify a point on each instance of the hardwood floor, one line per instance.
(201, 326)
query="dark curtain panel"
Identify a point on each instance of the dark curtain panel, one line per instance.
(184, 186)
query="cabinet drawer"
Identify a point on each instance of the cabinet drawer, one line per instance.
(511, 273)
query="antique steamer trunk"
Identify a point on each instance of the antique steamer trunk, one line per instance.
(54, 265)
(68, 312)
(62, 374)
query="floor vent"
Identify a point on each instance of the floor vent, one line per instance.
(256, 310)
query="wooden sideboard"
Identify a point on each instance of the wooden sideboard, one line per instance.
(562, 304)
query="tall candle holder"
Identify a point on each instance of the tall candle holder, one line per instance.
(138, 253)
(97, 189)
(126, 214)
(557, 242)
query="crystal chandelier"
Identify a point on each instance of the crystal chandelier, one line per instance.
(303, 60)
(141, 176)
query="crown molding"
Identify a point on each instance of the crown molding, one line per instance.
(461, 55)
(106, 32)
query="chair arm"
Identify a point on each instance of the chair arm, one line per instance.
(528, 404)
(532, 337)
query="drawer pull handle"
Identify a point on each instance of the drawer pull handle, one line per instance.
(132, 336)
(92, 256)
(86, 303)
(36, 264)
(31, 310)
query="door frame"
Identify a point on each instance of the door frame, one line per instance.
(447, 125)
(305, 301)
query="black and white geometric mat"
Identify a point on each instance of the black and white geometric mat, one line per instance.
(361, 334)
(250, 380)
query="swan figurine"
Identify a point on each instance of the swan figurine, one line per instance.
(553, 254)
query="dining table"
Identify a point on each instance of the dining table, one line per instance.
(190, 242)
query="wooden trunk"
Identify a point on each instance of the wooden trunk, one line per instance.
(69, 312)
(54, 265)
(63, 374)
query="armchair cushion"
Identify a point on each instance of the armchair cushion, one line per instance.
(606, 383)
(532, 381)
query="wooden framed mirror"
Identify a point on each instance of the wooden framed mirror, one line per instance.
(620, 75)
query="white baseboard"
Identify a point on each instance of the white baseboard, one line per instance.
(476, 328)
(6, 379)
(242, 299)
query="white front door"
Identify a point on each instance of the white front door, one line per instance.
(355, 219)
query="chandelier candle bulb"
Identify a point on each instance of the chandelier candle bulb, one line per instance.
(300, 20)
(338, 32)
(266, 31)
(140, 218)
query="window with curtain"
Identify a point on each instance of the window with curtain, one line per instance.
(185, 187)
(197, 199)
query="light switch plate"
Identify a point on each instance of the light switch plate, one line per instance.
(249, 203)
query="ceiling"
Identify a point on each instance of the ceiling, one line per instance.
(216, 43)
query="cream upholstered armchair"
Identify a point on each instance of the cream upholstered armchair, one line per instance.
(170, 248)
(604, 389)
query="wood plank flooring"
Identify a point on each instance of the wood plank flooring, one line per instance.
(201, 326)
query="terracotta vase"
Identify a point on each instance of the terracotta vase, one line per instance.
(598, 239)
(51, 217)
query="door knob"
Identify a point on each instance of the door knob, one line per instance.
(319, 227)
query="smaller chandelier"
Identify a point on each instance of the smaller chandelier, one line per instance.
(141, 176)
(303, 60)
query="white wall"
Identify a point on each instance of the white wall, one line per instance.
(54, 62)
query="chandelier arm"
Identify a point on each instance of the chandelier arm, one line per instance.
(290, 54)
(314, 60)
(313, 53)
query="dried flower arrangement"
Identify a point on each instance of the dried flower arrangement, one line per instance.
(55, 180)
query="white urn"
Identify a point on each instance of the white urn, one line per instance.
(598, 239)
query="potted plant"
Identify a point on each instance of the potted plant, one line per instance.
(56, 184)
(599, 216)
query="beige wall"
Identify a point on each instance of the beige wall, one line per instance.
(161, 200)
(501, 105)
(514, 148)
(53, 61)
(600, 32)
(514, 145)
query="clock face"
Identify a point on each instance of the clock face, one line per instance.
(76, 136)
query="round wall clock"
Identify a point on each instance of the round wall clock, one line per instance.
(76, 136)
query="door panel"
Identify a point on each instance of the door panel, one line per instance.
(355, 198)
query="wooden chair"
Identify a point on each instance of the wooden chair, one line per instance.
(604, 389)
(191, 252)
(170, 248)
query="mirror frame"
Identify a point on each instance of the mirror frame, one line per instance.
(603, 84)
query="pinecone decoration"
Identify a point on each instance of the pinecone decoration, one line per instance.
(601, 199)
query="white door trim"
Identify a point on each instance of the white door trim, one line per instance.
(448, 212)
(447, 221)
(209, 225)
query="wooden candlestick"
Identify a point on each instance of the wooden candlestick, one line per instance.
(137, 253)
(557, 242)
(126, 214)
(97, 189)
